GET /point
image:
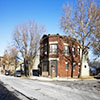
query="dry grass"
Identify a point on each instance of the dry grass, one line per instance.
(85, 78)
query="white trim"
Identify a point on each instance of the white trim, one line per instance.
(66, 44)
(53, 59)
(55, 42)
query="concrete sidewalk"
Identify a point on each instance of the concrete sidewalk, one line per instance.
(53, 79)
(59, 78)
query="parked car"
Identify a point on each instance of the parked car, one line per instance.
(35, 72)
(17, 73)
(7, 72)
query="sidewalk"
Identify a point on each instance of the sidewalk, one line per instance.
(53, 79)
(40, 78)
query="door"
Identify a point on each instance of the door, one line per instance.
(53, 68)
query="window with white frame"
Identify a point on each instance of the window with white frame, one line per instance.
(67, 66)
(53, 48)
(66, 49)
(73, 50)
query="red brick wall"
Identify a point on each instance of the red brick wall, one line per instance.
(62, 59)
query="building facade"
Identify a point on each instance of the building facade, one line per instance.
(59, 56)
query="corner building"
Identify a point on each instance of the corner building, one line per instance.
(57, 56)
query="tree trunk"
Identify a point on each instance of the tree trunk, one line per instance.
(72, 66)
(81, 62)
(26, 67)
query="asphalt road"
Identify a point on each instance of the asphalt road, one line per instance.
(51, 90)
(5, 94)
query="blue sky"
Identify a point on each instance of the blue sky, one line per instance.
(13, 12)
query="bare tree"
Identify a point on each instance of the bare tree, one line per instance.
(10, 57)
(27, 39)
(82, 22)
(96, 44)
(13, 55)
(6, 60)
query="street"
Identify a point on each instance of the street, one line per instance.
(5, 94)
(42, 90)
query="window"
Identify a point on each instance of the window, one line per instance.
(85, 66)
(66, 50)
(67, 66)
(73, 66)
(73, 50)
(53, 48)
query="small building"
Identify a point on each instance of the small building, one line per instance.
(60, 57)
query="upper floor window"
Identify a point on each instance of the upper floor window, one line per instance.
(73, 50)
(53, 48)
(66, 49)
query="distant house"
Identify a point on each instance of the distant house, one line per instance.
(1, 67)
(58, 54)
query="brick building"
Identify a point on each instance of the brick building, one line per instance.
(57, 56)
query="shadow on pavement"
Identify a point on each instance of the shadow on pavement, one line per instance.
(5, 94)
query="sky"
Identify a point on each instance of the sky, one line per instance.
(14, 12)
